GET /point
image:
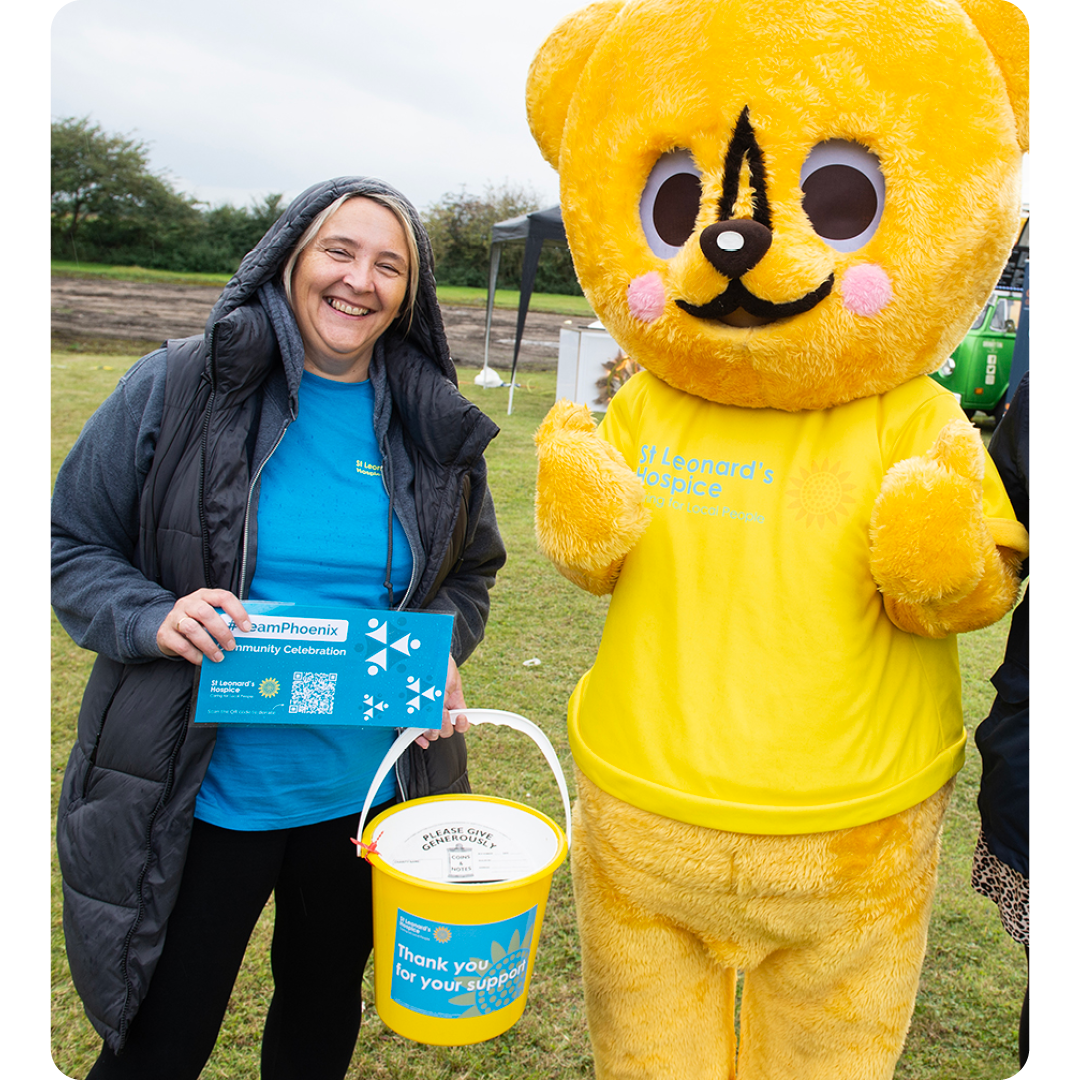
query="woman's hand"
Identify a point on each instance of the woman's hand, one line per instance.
(453, 698)
(193, 629)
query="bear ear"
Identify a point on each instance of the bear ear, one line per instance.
(555, 70)
(1005, 31)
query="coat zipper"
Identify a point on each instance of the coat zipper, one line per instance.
(247, 511)
(388, 468)
(203, 445)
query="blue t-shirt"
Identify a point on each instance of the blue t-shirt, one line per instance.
(322, 523)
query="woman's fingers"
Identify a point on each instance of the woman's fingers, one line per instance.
(453, 699)
(194, 629)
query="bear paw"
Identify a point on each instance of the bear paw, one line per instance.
(932, 554)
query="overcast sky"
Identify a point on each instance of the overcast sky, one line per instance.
(238, 98)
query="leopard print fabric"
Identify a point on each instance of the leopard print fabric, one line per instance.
(1008, 888)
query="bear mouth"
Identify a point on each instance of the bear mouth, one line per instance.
(737, 306)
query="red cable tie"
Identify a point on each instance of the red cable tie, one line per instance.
(367, 850)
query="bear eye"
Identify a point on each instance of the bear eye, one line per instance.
(843, 193)
(670, 201)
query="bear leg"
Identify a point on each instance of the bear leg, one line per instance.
(840, 1005)
(658, 1003)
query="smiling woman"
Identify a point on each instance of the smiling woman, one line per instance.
(311, 447)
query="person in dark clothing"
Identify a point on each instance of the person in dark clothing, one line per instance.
(312, 446)
(1000, 868)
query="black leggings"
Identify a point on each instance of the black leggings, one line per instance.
(322, 939)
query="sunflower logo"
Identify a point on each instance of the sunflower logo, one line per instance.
(269, 687)
(821, 493)
(442, 934)
(500, 980)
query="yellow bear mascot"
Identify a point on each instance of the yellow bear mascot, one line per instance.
(787, 212)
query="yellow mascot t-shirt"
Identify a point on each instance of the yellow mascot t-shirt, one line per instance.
(748, 677)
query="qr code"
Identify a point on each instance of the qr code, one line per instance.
(312, 692)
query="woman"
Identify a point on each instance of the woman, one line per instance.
(311, 446)
(1001, 869)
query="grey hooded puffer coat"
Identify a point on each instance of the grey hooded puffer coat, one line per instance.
(158, 498)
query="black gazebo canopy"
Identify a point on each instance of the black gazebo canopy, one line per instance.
(534, 229)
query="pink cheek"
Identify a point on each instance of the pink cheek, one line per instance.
(866, 289)
(646, 297)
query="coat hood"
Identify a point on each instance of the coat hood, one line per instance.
(265, 261)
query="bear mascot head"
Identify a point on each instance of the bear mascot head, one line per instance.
(787, 213)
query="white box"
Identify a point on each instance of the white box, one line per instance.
(582, 356)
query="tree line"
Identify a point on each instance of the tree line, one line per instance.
(109, 206)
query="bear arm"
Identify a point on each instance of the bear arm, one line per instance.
(590, 507)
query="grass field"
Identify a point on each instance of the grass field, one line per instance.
(972, 982)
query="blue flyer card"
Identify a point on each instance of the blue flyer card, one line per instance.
(309, 665)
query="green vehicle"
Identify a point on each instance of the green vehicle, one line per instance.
(977, 373)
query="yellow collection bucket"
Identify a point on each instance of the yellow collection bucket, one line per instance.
(459, 888)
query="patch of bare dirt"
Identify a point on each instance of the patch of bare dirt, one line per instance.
(95, 315)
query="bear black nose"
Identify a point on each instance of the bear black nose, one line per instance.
(735, 246)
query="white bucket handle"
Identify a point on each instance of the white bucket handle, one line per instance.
(476, 716)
